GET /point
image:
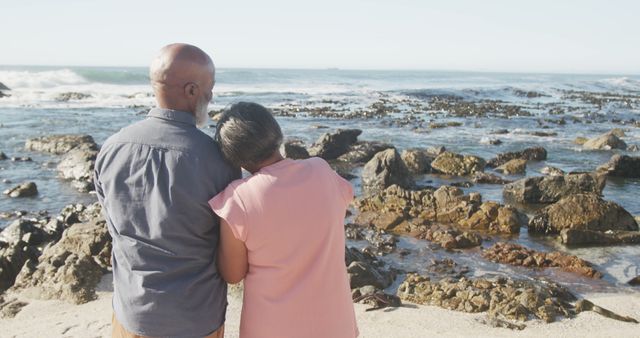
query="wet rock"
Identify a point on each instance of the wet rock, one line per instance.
(458, 165)
(331, 145)
(72, 96)
(582, 212)
(580, 140)
(490, 141)
(418, 161)
(622, 166)
(577, 237)
(607, 141)
(70, 269)
(451, 238)
(365, 270)
(381, 243)
(294, 149)
(410, 211)
(514, 300)
(633, 148)
(515, 166)
(550, 189)
(21, 159)
(28, 189)
(446, 268)
(3, 156)
(3, 87)
(487, 178)
(635, 281)
(529, 154)
(386, 168)
(363, 151)
(617, 132)
(353, 231)
(77, 165)
(514, 254)
(10, 308)
(59, 144)
(552, 171)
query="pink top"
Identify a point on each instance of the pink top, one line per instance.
(290, 215)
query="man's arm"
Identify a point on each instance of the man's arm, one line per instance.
(232, 255)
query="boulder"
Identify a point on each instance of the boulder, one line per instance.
(622, 166)
(363, 151)
(575, 237)
(458, 165)
(487, 178)
(294, 149)
(514, 254)
(410, 211)
(451, 238)
(28, 189)
(77, 165)
(59, 144)
(418, 161)
(364, 270)
(582, 212)
(550, 189)
(515, 166)
(529, 154)
(552, 171)
(331, 145)
(70, 269)
(386, 168)
(606, 141)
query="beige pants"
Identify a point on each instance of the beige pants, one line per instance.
(118, 331)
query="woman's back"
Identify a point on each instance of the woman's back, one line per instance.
(290, 216)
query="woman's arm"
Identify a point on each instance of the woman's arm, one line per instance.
(232, 255)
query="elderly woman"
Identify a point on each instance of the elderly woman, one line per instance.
(282, 231)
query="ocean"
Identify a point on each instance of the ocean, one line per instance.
(311, 102)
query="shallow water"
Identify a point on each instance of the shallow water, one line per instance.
(118, 95)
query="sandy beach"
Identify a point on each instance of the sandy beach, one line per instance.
(59, 319)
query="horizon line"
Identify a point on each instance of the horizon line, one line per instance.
(482, 71)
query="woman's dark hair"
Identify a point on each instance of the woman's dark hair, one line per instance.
(248, 134)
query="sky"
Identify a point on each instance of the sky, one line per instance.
(559, 36)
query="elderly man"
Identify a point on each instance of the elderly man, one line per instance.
(153, 179)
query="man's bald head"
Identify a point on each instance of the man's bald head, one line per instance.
(182, 77)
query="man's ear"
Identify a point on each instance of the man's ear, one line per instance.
(190, 89)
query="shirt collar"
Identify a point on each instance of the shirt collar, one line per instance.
(173, 115)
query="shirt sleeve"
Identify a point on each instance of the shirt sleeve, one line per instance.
(229, 206)
(345, 188)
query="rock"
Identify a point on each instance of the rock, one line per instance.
(363, 151)
(458, 165)
(410, 211)
(450, 238)
(635, 281)
(386, 168)
(11, 308)
(418, 161)
(446, 268)
(381, 243)
(607, 141)
(486, 178)
(515, 166)
(59, 144)
(515, 300)
(550, 189)
(28, 189)
(331, 145)
(65, 97)
(552, 171)
(3, 156)
(294, 149)
(617, 132)
(622, 166)
(3, 87)
(529, 154)
(580, 140)
(514, 254)
(633, 148)
(21, 159)
(490, 141)
(77, 165)
(70, 269)
(575, 237)
(582, 212)
(365, 270)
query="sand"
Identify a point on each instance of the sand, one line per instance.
(49, 318)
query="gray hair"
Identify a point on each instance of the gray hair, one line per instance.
(248, 134)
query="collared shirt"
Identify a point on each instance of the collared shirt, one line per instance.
(154, 179)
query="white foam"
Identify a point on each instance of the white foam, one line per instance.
(40, 79)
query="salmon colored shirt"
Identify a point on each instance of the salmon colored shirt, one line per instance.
(290, 215)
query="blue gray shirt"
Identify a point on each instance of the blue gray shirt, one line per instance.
(154, 179)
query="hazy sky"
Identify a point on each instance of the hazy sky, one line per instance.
(484, 35)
